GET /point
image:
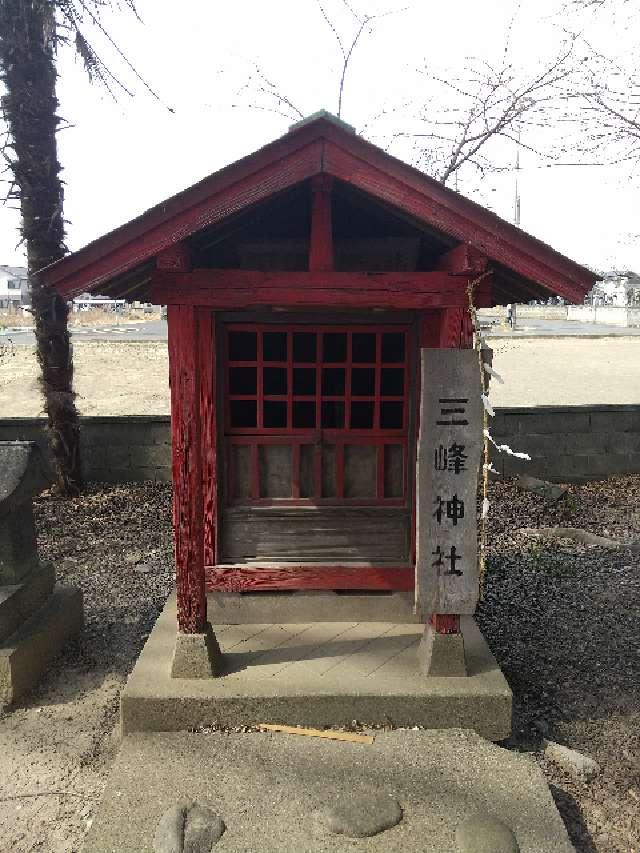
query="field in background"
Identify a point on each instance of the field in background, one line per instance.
(94, 317)
(129, 378)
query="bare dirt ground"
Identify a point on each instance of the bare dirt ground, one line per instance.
(128, 378)
(110, 379)
(561, 618)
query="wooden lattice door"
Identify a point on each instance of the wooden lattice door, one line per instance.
(316, 440)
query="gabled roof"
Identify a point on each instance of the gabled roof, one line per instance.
(321, 144)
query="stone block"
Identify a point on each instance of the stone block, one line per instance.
(18, 554)
(196, 655)
(23, 474)
(442, 655)
(504, 423)
(94, 456)
(151, 455)
(584, 443)
(540, 444)
(160, 432)
(625, 419)
(543, 420)
(115, 432)
(26, 653)
(113, 475)
(19, 601)
(610, 464)
(565, 468)
(163, 475)
(118, 456)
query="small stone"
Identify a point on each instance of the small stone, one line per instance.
(203, 828)
(170, 830)
(574, 762)
(133, 557)
(483, 833)
(362, 816)
(187, 827)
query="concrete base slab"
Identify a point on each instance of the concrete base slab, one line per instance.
(442, 654)
(268, 788)
(316, 674)
(26, 653)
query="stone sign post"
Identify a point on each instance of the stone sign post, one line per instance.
(35, 617)
(449, 457)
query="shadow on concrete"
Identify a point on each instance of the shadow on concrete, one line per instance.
(571, 814)
(381, 648)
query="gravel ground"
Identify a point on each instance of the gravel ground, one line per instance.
(562, 619)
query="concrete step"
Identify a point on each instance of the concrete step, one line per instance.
(269, 789)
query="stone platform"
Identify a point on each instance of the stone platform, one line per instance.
(268, 787)
(316, 674)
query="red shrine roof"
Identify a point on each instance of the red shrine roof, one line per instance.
(120, 263)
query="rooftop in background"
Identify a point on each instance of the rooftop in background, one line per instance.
(14, 272)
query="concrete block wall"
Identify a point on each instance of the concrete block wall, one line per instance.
(126, 449)
(567, 444)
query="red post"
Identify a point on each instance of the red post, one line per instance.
(321, 241)
(186, 436)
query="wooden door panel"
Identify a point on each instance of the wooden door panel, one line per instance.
(315, 534)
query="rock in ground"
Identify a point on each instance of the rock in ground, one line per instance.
(362, 816)
(187, 827)
(574, 762)
(483, 833)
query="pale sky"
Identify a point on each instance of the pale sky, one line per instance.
(120, 158)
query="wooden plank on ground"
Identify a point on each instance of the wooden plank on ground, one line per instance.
(329, 734)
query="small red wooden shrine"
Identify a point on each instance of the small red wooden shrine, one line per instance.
(301, 283)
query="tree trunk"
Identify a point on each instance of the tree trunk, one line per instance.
(27, 61)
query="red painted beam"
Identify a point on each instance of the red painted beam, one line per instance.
(321, 239)
(245, 578)
(175, 258)
(227, 289)
(463, 260)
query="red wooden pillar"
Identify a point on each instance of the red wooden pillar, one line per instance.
(186, 438)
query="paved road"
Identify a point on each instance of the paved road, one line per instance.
(553, 328)
(152, 331)
(157, 331)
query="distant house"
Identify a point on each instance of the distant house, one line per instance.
(617, 287)
(86, 302)
(14, 288)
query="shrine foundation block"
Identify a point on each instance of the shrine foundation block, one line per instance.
(316, 673)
